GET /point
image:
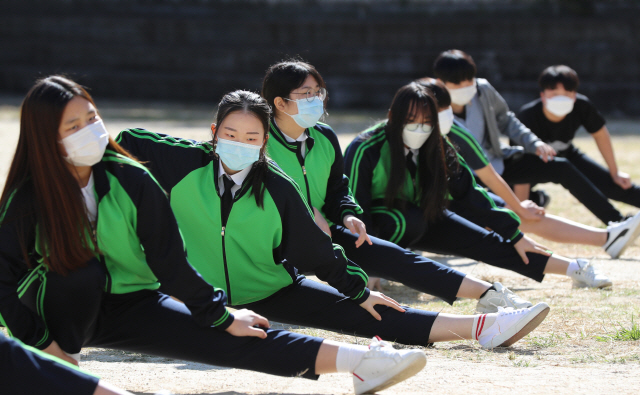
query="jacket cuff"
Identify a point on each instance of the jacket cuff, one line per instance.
(362, 296)
(517, 237)
(45, 344)
(532, 146)
(225, 321)
(347, 212)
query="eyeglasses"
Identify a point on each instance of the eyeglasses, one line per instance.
(412, 127)
(310, 94)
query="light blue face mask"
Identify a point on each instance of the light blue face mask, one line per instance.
(309, 112)
(237, 156)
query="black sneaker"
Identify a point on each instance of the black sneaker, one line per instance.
(540, 197)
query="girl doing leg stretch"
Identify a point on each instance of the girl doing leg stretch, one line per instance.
(309, 152)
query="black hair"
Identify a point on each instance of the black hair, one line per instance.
(408, 102)
(552, 75)
(454, 66)
(283, 77)
(438, 89)
(249, 102)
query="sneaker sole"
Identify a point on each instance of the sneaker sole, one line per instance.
(410, 366)
(630, 240)
(527, 328)
(580, 284)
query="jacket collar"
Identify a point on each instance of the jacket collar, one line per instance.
(291, 146)
(246, 184)
(100, 179)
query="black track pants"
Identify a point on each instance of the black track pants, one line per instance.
(531, 169)
(310, 303)
(455, 235)
(601, 178)
(24, 370)
(390, 261)
(150, 322)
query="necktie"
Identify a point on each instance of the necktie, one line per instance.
(227, 198)
(411, 166)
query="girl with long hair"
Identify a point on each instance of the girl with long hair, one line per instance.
(88, 240)
(309, 152)
(248, 229)
(405, 177)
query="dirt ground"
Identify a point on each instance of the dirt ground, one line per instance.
(573, 351)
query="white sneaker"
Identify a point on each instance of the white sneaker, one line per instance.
(383, 366)
(501, 297)
(512, 325)
(622, 235)
(588, 276)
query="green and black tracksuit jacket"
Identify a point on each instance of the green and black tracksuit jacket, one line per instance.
(138, 239)
(368, 165)
(467, 146)
(320, 175)
(260, 250)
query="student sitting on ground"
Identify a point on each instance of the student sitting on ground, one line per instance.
(556, 117)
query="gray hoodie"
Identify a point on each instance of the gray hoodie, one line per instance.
(499, 120)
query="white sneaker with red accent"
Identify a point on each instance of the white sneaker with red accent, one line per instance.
(510, 326)
(383, 366)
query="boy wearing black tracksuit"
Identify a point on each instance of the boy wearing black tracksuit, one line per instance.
(556, 117)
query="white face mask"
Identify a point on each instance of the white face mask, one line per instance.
(415, 134)
(462, 96)
(86, 146)
(445, 119)
(559, 105)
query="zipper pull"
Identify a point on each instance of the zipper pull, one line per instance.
(223, 231)
(304, 171)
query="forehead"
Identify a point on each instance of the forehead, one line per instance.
(309, 82)
(243, 122)
(418, 112)
(77, 105)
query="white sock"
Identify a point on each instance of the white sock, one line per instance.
(573, 266)
(349, 357)
(74, 356)
(482, 322)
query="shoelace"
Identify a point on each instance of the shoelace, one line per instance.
(515, 299)
(377, 342)
(510, 295)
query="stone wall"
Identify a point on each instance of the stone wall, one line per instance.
(197, 50)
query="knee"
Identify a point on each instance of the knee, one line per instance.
(83, 281)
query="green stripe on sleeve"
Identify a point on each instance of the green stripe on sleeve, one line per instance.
(472, 142)
(223, 318)
(357, 157)
(169, 140)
